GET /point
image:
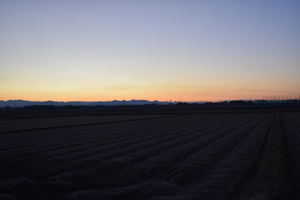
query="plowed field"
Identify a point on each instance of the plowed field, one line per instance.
(199, 156)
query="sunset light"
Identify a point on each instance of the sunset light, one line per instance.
(155, 50)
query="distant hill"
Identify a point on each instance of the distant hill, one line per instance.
(23, 103)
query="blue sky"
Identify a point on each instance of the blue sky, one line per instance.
(155, 50)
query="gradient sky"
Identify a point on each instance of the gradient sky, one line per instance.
(188, 50)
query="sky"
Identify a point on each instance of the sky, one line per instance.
(178, 50)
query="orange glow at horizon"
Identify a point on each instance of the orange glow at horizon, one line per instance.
(185, 94)
(110, 50)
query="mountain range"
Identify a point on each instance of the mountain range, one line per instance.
(23, 103)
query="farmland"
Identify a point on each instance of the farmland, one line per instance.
(219, 155)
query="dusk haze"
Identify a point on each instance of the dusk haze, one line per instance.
(163, 50)
(150, 99)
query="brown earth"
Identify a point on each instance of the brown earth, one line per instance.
(201, 156)
(46, 122)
